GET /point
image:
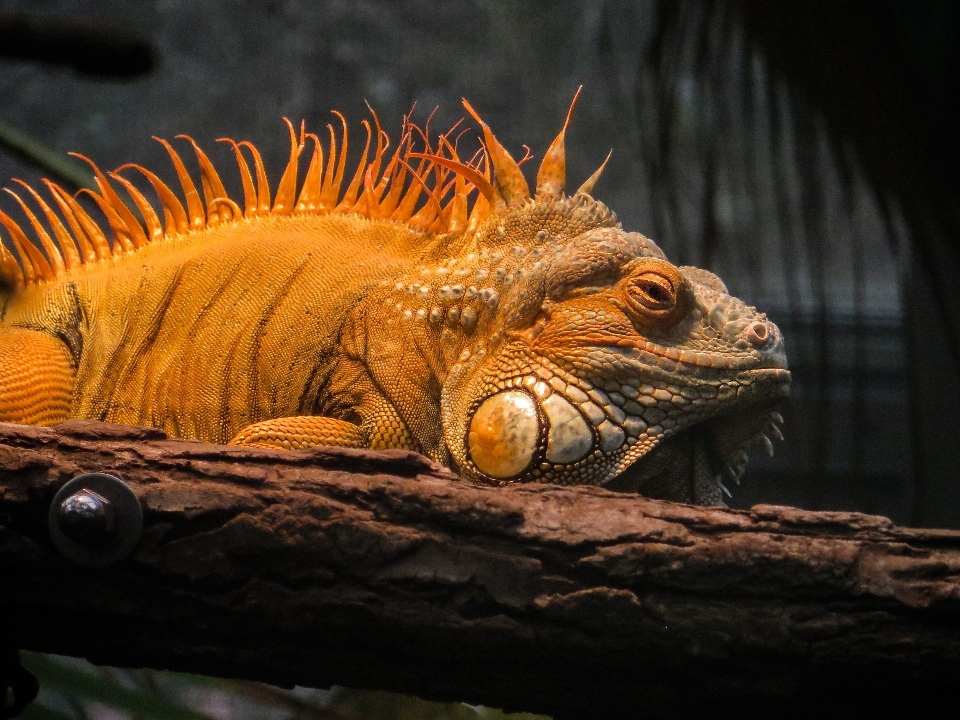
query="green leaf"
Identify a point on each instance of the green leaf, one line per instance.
(87, 687)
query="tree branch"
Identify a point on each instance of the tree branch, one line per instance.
(380, 569)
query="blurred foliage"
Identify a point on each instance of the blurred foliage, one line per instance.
(73, 689)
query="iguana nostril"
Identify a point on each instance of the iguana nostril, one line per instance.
(758, 334)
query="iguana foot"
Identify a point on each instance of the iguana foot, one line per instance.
(301, 433)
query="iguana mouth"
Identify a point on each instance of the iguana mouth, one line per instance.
(696, 464)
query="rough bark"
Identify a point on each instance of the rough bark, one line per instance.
(381, 569)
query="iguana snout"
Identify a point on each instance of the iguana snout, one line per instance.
(634, 373)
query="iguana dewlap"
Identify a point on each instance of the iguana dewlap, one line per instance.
(513, 338)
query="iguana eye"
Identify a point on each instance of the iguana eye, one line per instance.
(654, 291)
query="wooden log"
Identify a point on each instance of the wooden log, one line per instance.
(383, 570)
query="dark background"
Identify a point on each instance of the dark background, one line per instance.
(805, 151)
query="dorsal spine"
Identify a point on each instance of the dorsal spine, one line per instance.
(421, 196)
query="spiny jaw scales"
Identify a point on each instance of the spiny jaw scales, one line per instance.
(550, 426)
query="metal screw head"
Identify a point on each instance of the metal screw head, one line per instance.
(95, 520)
(87, 517)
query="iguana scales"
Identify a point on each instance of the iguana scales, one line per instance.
(432, 305)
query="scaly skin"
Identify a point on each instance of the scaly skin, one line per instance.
(534, 340)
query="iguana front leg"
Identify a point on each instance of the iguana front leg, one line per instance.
(37, 377)
(351, 393)
(301, 432)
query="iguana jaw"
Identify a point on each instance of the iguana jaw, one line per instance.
(534, 419)
(697, 463)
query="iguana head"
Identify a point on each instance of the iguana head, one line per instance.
(598, 361)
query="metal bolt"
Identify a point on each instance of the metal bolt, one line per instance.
(87, 517)
(95, 520)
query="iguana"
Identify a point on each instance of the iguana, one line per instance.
(433, 305)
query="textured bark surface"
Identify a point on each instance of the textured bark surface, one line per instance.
(380, 569)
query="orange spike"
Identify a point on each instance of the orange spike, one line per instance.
(131, 226)
(312, 184)
(263, 186)
(194, 206)
(10, 270)
(442, 223)
(68, 246)
(210, 182)
(455, 212)
(438, 226)
(341, 163)
(442, 140)
(425, 215)
(27, 273)
(367, 204)
(86, 225)
(88, 250)
(121, 236)
(398, 175)
(383, 142)
(480, 212)
(446, 145)
(287, 189)
(423, 218)
(407, 204)
(447, 188)
(388, 170)
(249, 194)
(328, 191)
(456, 140)
(475, 160)
(425, 132)
(486, 163)
(482, 207)
(50, 247)
(230, 204)
(389, 203)
(175, 217)
(458, 208)
(478, 180)
(588, 184)
(508, 179)
(35, 265)
(350, 196)
(154, 228)
(553, 168)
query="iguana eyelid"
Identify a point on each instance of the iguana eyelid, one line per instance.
(636, 292)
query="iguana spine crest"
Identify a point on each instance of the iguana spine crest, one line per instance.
(395, 194)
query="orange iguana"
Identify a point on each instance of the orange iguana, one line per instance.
(510, 337)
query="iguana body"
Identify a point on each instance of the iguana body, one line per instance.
(530, 339)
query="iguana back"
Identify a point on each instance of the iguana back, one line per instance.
(247, 327)
(391, 314)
